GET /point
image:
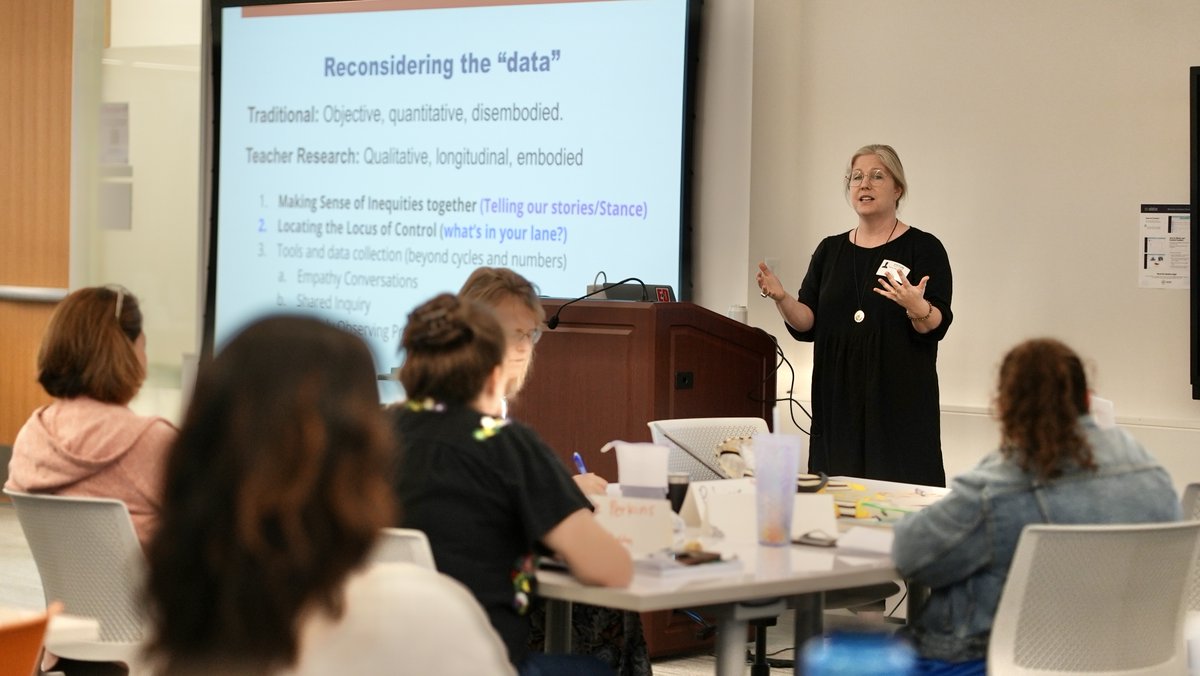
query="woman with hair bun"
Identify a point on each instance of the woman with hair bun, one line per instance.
(87, 442)
(614, 636)
(1054, 465)
(488, 492)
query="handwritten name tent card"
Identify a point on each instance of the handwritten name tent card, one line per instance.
(695, 505)
(814, 513)
(641, 524)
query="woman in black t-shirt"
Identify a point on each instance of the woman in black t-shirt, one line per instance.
(486, 491)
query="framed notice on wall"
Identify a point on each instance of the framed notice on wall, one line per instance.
(1165, 254)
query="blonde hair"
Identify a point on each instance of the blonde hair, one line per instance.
(493, 286)
(890, 159)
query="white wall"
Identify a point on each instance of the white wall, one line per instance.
(721, 189)
(1031, 131)
(153, 23)
(152, 63)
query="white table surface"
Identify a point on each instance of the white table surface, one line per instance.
(767, 572)
(796, 571)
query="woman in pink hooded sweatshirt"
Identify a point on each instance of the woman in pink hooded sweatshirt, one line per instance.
(87, 442)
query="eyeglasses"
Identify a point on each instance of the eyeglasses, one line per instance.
(877, 177)
(518, 336)
(120, 291)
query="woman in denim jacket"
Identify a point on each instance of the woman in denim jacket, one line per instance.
(1054, 465)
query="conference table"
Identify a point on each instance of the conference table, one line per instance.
(769, 580)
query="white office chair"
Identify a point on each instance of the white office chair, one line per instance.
(88, 557)
(1191, 626)
(406, 545)
(1095, 599)
(1191, 511)
(693, 442)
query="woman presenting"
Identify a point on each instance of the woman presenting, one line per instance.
(875, 302)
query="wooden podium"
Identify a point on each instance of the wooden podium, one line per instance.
(610, 367)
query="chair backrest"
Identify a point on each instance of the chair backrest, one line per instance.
(700, 436)
(1084, 599)
(21, 641)
(88, 557)
(407, 545)
(5, 457)
(1191, 511)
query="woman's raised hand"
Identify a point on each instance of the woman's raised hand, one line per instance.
(895, 285)
(769, 285)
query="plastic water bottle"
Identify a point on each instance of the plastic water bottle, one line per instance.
(858, 654)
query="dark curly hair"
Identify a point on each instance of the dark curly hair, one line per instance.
(275, 491)
(451, 346)
(1042, 393)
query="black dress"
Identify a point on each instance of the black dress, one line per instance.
(874, 384)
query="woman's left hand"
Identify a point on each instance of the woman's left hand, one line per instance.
(591, 484)
(896, 287)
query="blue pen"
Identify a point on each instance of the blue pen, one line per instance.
(579, 463)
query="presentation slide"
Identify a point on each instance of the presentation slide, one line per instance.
(371, 154)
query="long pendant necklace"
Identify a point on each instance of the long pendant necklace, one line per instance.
(859, 315)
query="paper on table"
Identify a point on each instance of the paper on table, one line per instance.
(735, 514)
(641, 468)
(814, 512)
(867, 540)
(642, 525)
(695, 505)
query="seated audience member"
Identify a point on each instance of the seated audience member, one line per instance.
(1054, 465)
(274, 496)
(514, 300)
(613, 636)
(87, 442)
(488, 492)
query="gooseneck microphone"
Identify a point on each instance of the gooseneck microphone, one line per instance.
(553, 321)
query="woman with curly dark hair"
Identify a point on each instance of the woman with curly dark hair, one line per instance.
(1054, 465)
(275, 492)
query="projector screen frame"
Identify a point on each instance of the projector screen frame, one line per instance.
(211, 77)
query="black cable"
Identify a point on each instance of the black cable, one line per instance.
(901, 601)
(552, 322)
(792, 402)
(781, 650)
